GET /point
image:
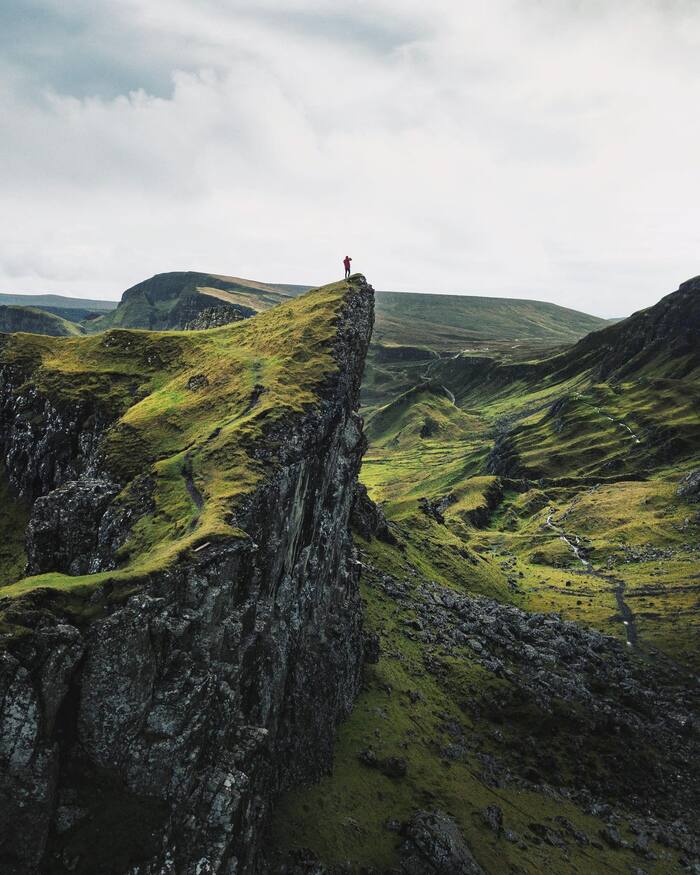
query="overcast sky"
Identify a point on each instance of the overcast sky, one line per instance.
(524, 148)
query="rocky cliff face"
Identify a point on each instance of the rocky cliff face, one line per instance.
(215, 317)
(149, 729)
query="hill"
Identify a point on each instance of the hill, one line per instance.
(453, 322)
(172, 300)
(35, 321)
(60, 302)
(534, 555)
(192, 609)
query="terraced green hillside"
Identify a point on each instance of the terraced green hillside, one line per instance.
(552, 484)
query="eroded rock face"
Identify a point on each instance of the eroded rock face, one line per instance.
(689, 486)
(64, 529)
(43, 444)
(434, 845)
(154, 738)
(368, 519)
(215, 317)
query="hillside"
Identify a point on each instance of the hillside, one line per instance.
(172, 300)
(453, 322)
(533, 590)
(522, 591)
(59, 302)
(185, 498)
(34, 321)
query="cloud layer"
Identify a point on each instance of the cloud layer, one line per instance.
(528, 149)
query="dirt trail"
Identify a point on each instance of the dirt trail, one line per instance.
(618, 584)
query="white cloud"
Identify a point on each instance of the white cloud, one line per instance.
(541, 150)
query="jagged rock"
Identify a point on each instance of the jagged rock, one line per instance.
(29, 755)
(63, 531)
(215, 317)
(368, 519)
(493, 818)
(197, 381)
(437, 508)
(43, 444)
(611, 837)
(689, 486)
(210, 684)
(434, 845)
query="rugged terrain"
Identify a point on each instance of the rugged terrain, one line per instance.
(528, 548)
(175, 300)
(534, 592)
(185, 498)
(32, 320)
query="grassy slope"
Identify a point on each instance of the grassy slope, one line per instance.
(259, 372)
(149, 303)
(409, 712)
(37, 321)
(421, 445)
(452, 322)
(61, 301)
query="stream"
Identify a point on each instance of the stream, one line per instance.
(618, 583)
(619, 422)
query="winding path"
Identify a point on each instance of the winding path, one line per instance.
(618, 583)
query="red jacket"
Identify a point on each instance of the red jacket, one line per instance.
(346, 262)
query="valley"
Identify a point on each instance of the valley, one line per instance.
(528, 549)
(550, 486)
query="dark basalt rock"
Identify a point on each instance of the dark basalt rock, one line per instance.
(433, 845)
(64, 529)
(689, 487)
(215, 317)
(42, 444)
(155, 737)
(436, 508)
(368, 518)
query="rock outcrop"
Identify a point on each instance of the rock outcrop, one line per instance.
(150, 729)
(215, 317)
(689, 487)
(434, 845)
(64, 529)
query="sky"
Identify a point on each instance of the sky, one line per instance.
(544, 149)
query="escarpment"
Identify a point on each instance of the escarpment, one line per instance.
(191, 644)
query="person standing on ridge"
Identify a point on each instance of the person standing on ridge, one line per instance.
(346, 262)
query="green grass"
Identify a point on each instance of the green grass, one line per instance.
(152, 303)
(259, 373)
(36, 321)
(404, 711)
(453, 322)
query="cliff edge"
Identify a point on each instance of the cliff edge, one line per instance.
(190, 632)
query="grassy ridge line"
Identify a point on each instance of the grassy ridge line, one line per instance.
(62, 301)
(15, 318)
(249, 377)
(156, 303)
(449, 322)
